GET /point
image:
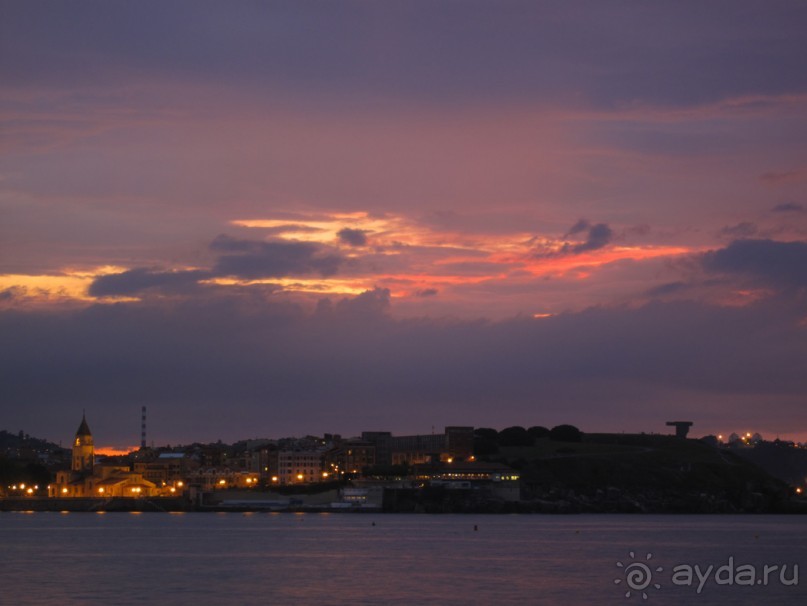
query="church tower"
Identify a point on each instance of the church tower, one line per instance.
(83, 451)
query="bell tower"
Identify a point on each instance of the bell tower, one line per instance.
(83, 451)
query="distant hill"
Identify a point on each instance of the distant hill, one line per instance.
(779, 459)
(27, 459)
(21, 445)
(642, 473)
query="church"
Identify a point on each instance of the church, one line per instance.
(86, 478)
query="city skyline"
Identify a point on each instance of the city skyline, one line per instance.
(292, 218)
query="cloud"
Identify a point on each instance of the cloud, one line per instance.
(291, 228)
(12, 293)
(427, 292)
(369, 303)
(598, 236)
(138, 280)
(353, 237)
(529, 52)
(779, 264)
(246, 259)
(777, 178)
(278, 370)
(666, 289)
(788, 207)
(581, 225)
(258, 259)
(741, 230)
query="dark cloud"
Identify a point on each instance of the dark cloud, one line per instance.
(598, 236)
(666, 289)
(638, 230)
(227, 244)
(374, 302)
(769, 262)
(248, 259)
(368, 305)
(471, 268)
(141, 279)
(581, 225)
(741, 230)
(13, 293)
(427, 292)
(436, 50)
(788, 207)
(350, 366)
(258, 259)
(352, 237)
(788, 176)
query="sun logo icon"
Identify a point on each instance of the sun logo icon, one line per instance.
(638, 576)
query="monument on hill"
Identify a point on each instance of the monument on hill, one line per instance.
(681, 428)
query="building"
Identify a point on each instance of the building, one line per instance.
(455, 443)
(166, 469)
(88, 479)
(349, 458)
(299, 467)
(83, 448)
(499, 480)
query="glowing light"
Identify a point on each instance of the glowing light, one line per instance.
(333, 286)
(274, 478)
(299, 476)
(64, 490)
(101, 490)
(114, 451)
(69, 284)
(222, 482)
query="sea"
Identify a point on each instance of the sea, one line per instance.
(402, 559)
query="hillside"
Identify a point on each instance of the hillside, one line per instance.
(641, 473)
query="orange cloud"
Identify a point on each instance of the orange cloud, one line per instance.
(70, 285)
(564, 265)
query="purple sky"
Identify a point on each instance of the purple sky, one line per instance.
(276, 218)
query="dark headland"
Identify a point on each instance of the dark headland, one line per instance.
(587, 473)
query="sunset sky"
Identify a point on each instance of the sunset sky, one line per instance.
(262, 219)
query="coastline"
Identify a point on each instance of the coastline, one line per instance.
(179, 504)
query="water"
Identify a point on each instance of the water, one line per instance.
(241, 559)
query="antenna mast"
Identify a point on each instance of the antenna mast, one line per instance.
(143, 428)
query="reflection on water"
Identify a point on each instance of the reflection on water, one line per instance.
(260, 558)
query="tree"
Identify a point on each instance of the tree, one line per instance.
(566, 433)
(515, 436)
(486, 442)
(537, 432)
(487, 433)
